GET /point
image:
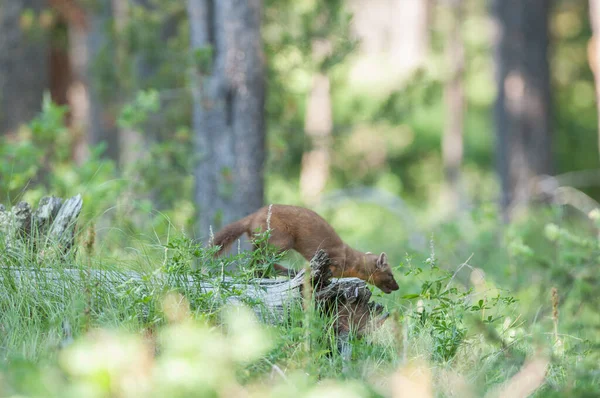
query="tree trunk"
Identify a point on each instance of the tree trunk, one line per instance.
(228, 113)
(79, 97)
(522, 111)
(318, 126)
(594, 53)
(408, 34)
(24, 59)
(61, 76)
(65, 69)
(92, 117)
(394, 41)
(454, 97)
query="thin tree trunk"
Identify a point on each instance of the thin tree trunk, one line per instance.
(228, 110)
(92, 119)
(79, 93)
(60, 64)
(24, 62)
(522, 111)
(318, 126)
(66, 67)
(247, 102)
(594, 53)
(409, 33)
(454, 97)
(394, 39)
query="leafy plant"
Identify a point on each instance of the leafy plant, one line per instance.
(442, 307)
(137, 112)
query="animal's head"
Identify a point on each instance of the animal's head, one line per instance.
(382, 275)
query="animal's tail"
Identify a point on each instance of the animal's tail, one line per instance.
(226, 236)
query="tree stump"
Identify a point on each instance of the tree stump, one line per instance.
(52, 224)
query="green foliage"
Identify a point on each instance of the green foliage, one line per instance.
(136, 112)
(263, 258)
(471, 330)
(38, 160)
(443, 307)
(442, 320)
(25, 160)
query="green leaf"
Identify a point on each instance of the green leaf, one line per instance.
(411, 296)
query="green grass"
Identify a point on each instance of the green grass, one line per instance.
(457, 327)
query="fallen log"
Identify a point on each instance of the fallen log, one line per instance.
(274, 297)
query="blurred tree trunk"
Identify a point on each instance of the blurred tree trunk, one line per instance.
(317, 126)
(24, 62)
(92, 118)
(69, 16)
(594, 53)
(324, 29)
(394, 40)
(79, 94)
(454, 97)
(228, 113)
(522, 111)
(409, 33)
(60, 64)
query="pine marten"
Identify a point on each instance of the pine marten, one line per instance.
(305, 231)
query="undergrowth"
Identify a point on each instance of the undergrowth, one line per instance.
(171, 326)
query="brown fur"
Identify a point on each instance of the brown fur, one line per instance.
(304, 231)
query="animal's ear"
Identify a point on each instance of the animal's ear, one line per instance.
(382, 260)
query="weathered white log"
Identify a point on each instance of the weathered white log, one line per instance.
(52, 223)
(275, 297)
(46, 212)
(62, 229)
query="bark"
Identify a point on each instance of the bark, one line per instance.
(454, 98)
(228, 110)
(522, 110)
(24, 63)
(594, 53)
